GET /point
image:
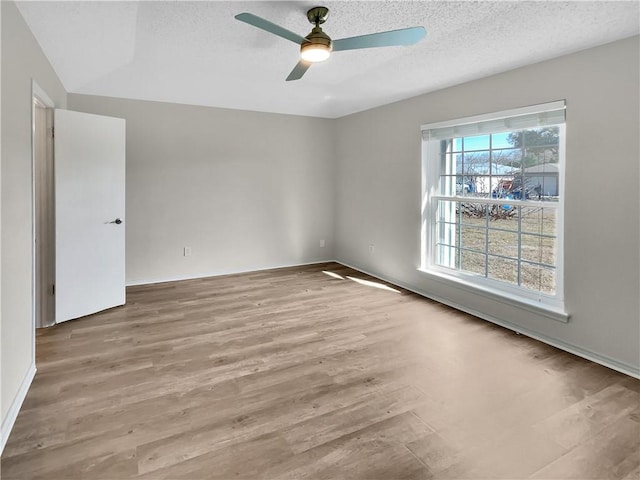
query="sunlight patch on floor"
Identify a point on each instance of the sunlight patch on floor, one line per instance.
(369, 283)
(334, 275)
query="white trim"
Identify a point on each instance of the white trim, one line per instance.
(604, 360)
(37, 91)
(14, 409)
(560, 225)
(546, 310)
(220, 273)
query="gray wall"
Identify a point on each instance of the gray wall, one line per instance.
(243, 190)
(379, 193)
(22, 61)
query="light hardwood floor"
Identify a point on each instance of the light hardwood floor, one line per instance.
(305, 373)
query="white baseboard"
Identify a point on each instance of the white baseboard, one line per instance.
(220, 273)
(14, 409)
(600, 359)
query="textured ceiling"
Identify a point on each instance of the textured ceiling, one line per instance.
(197, 53)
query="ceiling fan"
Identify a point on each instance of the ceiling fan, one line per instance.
(317, 46)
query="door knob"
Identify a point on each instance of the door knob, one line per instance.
(117, 221)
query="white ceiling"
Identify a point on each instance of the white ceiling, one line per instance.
(197, 53)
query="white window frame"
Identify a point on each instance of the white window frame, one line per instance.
(551, 306)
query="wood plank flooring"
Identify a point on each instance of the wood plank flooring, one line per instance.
(313, 372)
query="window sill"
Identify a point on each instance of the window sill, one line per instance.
(548, 311)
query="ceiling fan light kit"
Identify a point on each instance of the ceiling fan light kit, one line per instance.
(317, 46)
(313, 52)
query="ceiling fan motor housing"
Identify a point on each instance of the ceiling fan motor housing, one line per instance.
(318, 37)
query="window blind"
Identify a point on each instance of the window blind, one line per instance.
(517, 119)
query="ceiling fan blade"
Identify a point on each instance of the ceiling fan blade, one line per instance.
(299, 70)
(266, 25)
(404, 36)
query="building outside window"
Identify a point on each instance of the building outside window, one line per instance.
(492, 202)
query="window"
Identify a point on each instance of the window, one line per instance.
(492, 204)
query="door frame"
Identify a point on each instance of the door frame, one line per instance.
(38, 96)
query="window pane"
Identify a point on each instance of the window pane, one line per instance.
(503, 217)
(539, 156)
(473, 214)
(538, 249)
(535, 137)
(512, 187)
(473, 237)
(500, 140)
(473, 262)
(479, 142)
(446, 256)
(448, 184)
(447, 211)
(465, 186)
(460, 161)
(503, 243)
(546, 187)
(447, 234)
(542, 181)
(503, 269)
(500, 169)
(482, 185)
(538, 278)
(539, 220)
(508, 157)
(476, 163)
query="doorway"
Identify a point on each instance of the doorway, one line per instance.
(43, 209)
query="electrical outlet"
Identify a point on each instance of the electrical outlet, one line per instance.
(372, 249)
(187, 251)
(321, 243)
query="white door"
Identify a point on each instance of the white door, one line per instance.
(89, 152)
